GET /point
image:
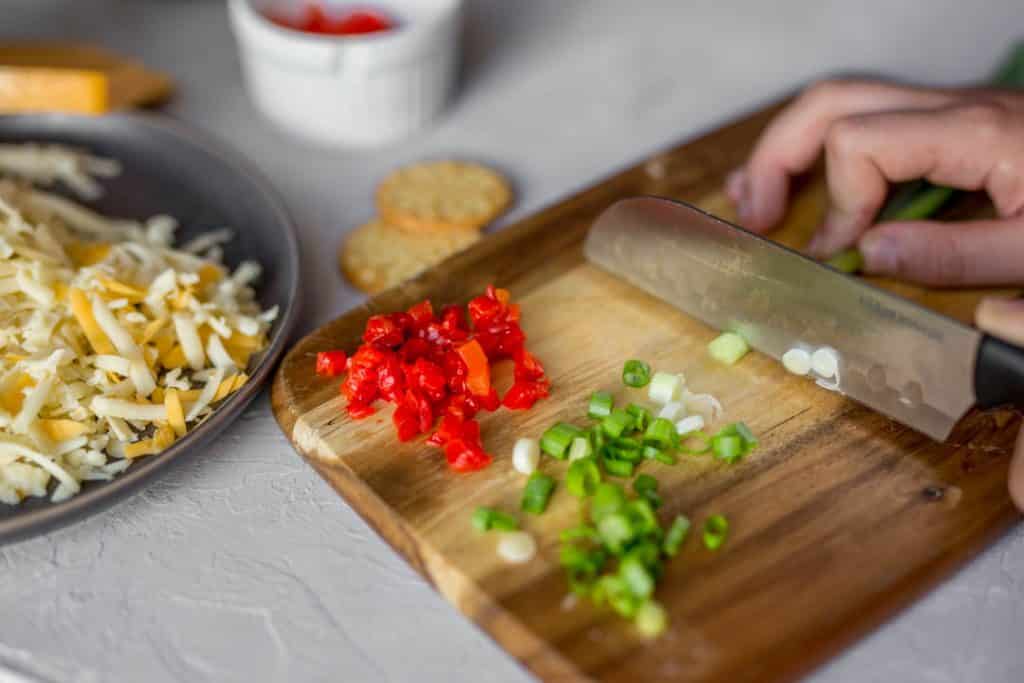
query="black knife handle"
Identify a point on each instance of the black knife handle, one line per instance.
(999, 373)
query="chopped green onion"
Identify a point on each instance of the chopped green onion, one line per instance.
(651, 452)
(651, 619)
(749, 440)
(636, 576)
(617, 423)
(616, 531)
(601, 404)
(583, 477)
(726, 447)
(733, 441)
(615, 591)
(676, 535)
(608, 498)
(630, 450)
(728, 348)
(661, 433)
(666, 458)
(537, 493)
(665, 388)
(556, 440)
(580, 448)
(584, 531)
(618, 468)
(486, 519)
(641, 416)
(641, 514)
(716, 529)
(646, 487)
(645, 482)
(636, 374)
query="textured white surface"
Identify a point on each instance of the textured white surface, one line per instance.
(241, 564)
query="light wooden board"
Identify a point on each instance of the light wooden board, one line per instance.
(839, 519)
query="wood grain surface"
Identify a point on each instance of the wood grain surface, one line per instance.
(839, 519)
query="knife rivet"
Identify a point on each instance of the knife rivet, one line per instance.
(933, 493)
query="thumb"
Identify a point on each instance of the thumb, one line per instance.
(983, 252)
(1004, 318)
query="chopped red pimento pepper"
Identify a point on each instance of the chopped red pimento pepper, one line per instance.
(331, 363)
(384, 330)
(478, 368)
(439, 366)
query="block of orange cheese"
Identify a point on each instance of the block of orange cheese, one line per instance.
(72, 77)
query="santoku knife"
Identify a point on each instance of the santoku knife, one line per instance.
(916, 366)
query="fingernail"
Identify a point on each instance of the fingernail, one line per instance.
(881, 254)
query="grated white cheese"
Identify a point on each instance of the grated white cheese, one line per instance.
(97, 314)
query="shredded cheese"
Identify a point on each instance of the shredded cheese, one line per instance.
(113, 343)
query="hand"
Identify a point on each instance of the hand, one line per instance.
(1004, 318)
(876, 133)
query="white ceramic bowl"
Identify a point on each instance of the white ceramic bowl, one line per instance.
(357, 90)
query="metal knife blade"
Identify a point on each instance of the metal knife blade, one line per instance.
(901, 359)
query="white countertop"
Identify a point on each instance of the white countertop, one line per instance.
(241, 564)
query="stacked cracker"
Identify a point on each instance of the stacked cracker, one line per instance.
(428, 211)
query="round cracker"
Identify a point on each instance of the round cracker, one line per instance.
(439, 195)
(379, 255)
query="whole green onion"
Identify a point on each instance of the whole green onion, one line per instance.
(583, 477)
(486, 519)
(636, 374)
(557, 440)
(601, 404)
(537, 493)
(920, 199)
(716, 529)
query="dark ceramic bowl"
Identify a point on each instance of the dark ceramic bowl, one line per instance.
(170, 169)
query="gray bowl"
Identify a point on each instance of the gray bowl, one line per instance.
(170, 169)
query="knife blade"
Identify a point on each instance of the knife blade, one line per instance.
(901, 359)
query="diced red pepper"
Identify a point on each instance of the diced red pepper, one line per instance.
(421, 314)
(439, 366)
(406, 422)
(478, 368)
(331, 363)
(383, 330)
(464, 457)
(527, 366)
(357, 410)
(391, 378)
(429, 378)
(523, 394)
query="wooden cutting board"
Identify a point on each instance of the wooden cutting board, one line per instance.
(839, 519)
